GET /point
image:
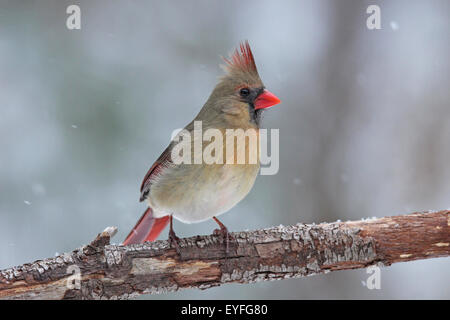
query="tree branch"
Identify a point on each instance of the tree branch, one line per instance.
(103, 271)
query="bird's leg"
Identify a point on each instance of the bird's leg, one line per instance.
(173, 239)
(223, 231)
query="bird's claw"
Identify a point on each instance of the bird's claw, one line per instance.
(173, 240)
(223, 232)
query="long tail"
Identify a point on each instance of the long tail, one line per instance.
(147, 228)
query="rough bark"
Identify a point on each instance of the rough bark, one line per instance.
(113, 271)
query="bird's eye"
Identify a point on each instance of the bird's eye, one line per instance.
(244, 92)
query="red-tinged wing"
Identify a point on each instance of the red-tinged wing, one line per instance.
(147, 228)
(145, 185)
(159, 164)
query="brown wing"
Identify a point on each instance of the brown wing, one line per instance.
(159, 164)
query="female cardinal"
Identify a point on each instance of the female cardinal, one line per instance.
(194, 192)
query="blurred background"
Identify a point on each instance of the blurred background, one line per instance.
(363, 123)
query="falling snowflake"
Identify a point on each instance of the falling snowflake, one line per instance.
(394, 25)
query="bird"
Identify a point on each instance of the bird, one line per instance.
(196, 192)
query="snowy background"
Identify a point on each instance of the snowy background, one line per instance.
(363, 124)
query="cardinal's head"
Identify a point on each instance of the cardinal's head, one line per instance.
(240, 94)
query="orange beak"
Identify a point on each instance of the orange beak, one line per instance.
(266, 100)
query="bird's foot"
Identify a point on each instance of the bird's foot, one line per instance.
(223, 231)
(226, 236)
(174, 240)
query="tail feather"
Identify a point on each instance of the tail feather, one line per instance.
(147, 228)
